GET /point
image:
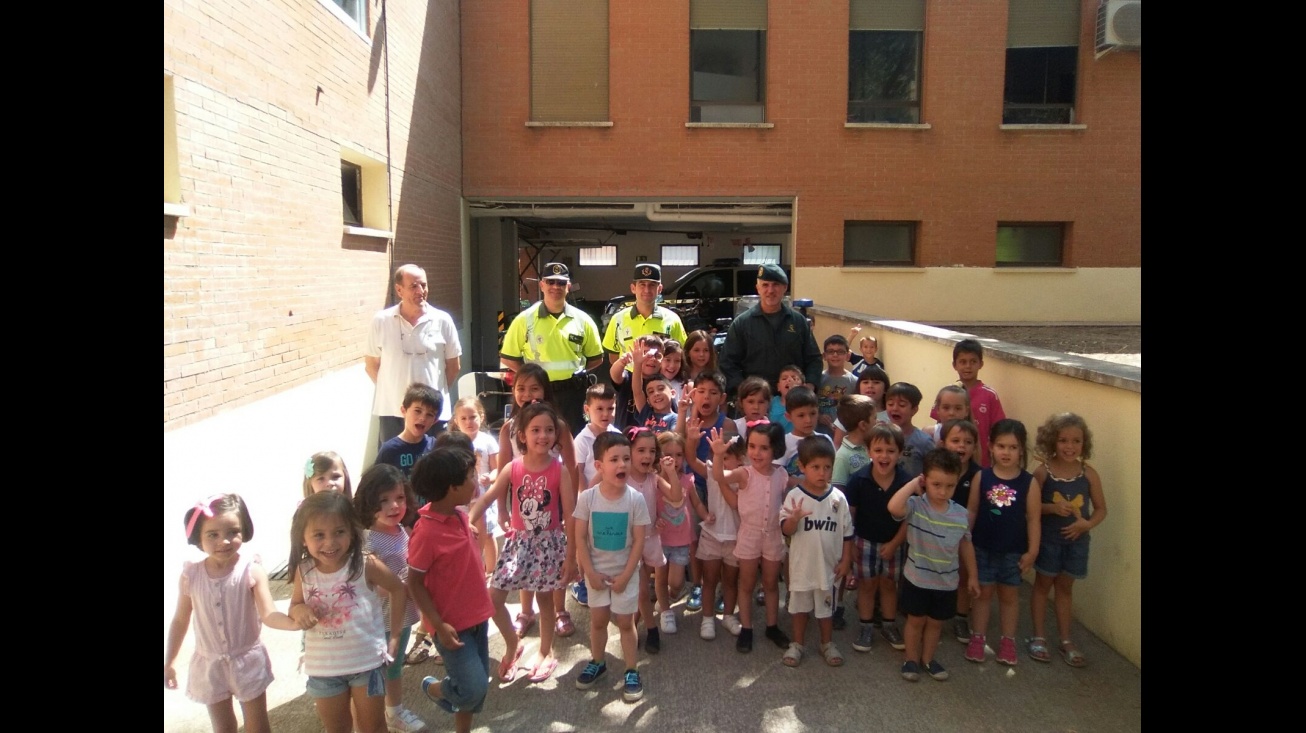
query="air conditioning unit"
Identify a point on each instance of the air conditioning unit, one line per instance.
(1119, 26)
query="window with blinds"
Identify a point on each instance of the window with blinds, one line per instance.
(885, 42)
(727, 60)
(1042, 62)
(569, 60)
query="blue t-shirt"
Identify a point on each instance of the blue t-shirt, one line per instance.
(403, 455)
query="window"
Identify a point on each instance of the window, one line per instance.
(364, 194)
(353, 12)
(1030, 245)
(680, 255)
(879, 243)
(727, 60)
(884, 60)
(762, 254)
(598, 256)
(1042, 58)
(569, 60)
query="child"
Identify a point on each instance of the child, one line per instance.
(381, 503)
(326, 471)
(600, 404)
(703, 408)
(421, 410)
(869, 346)
(754, 399)
(346, 649)
(655, 402)
(673, 367)
(879, 536)
(700, 356)
(790, 377)
(873, 383)
(455, 605)
(961, 438)
(611, 523)
(937, 535)
(647, 352)
(1072, 504)
(229, 596)
(1005, 522)
(531, 384)
(815, 516)
(951, 403)
(643, 477)
(716, 541)
(801, 413)
(761, 492)
(538, 555)
(676, 528)
(469, 416)
(985, 407)
(857, 411)
(836, 381)
(903, 401)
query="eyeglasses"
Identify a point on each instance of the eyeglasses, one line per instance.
(556, 283)
(836, 352)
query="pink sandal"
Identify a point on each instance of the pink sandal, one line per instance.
(564, 626)
(524, 623)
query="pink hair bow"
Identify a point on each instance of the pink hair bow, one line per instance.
(755, 423)
(205, 507)
(634, 430)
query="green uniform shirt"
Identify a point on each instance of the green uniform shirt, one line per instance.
(628, 325)
(562, 344)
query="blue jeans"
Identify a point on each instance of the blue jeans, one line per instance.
(467, 670)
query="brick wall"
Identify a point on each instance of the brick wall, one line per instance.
(262, 290)
(957, 179)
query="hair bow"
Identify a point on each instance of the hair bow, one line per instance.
(308, 468)
(203, 506)
(634, 430)
(755, 423)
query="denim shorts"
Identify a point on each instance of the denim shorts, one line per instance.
(1055, 558)
(467, 670)
(1002, 568)
(373, 680)
(677, 555)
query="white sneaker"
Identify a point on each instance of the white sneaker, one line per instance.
(731, 622)
(404, 721)
(707, 630)
(668, 623)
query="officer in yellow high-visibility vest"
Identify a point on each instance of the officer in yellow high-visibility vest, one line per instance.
(559, 337)
(644, 317)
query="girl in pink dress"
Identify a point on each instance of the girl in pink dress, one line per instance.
(228, 596)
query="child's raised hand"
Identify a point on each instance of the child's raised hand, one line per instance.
(169, 677)
(797, 509)
(718, 445)
(693, 431)
(669, 464)
(302, 615)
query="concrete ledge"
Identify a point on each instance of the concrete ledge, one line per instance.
(887, 126)
(741, 125)
(1121, 376)
(535, 123)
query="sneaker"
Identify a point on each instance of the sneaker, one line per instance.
(911, 671)
(684, 591)
(720, 603)
(653, 642)
(633, 689)
(581, 593)
(427, 683)
(707, 629)
(592, 672)
(404, 721)
(744, 644)
(975, 648)
(961, 628)
(838, 621)
(1007, 651)
(695, 601)
(732, 624)
(894, 636)
(761, 597)
(936, 671)
(778, 637)
(668, 622)
(865, 637)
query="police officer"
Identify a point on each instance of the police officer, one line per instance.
(769, 335)
(559, 337)
(644, 317)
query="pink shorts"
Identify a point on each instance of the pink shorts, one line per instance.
(750, 544)
(711, 548)
(244, 676)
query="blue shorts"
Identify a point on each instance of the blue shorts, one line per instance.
(467, 670)
(1055, 558)
(1002, 568)
(677, 555)
(373, 679)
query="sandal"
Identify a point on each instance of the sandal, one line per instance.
(511, 673)
(793, 655)
(524, 623)
(831, 654)
(417, 654)
(564, 626)
(544, 670)
(1038, 649)
(1072, 655)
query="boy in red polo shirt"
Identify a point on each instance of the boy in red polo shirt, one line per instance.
(446, 578)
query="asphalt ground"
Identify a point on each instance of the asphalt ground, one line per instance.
(697, 685)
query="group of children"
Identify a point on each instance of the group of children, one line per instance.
(685, 499)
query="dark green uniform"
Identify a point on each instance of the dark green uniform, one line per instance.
(760, 345)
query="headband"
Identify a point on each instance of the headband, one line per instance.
(203, 506)
(755, 423)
